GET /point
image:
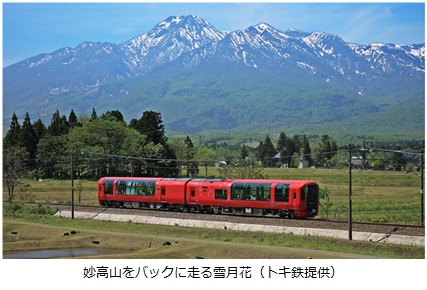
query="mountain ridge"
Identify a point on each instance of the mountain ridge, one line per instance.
(202, 79)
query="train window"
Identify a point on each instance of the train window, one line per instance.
(303, 192)
(251, 191)
(150, 188)
(312, 193)
(145, 188)
(281, 192)
(238, 191)
(163, 190)
(263, 192)
(108, 187)
(140, 188)
(121, 187)
(193, 192)
(130, 189)
(220, 193)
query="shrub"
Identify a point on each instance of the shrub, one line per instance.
(21, 208)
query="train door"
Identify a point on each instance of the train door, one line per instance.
(192, 195)
(312, 198)
(163, 193)
(294, 199)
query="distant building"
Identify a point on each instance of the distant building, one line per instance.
(302, 163)
(357, 162)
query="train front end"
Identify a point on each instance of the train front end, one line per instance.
(309, 200)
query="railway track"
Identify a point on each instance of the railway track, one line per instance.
(400, 229)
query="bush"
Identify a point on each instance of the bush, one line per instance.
(21, 208)
(325, 202)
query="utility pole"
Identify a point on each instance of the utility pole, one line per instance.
(422, 187)
(364, 150)
(350, 225)
(72, 186)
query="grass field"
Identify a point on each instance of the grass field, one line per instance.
(130, 240)
(377, 196)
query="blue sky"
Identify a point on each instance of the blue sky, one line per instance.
(33, 28)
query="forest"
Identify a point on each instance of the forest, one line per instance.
(94, 146)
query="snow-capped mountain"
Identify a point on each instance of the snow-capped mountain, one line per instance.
(263, 46)
(169, 40)
(294, 69)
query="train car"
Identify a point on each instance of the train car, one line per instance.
(172, 193)
(127, 191)
(208, 195)
(286, 198)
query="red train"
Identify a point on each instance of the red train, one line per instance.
(286, 198)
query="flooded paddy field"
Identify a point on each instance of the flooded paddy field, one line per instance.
(58, 253)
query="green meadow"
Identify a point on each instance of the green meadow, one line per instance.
(377, 196)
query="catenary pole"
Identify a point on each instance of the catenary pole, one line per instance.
(72, 186)
(422, 187)
(350, 226)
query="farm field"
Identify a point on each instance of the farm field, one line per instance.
(120, 240)
(377, 196)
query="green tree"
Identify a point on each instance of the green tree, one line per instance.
(325, 200)
(113, 116)
(153, 163)
(260, 152)
(14, 168)
(150, 125)
(283, 148)
(325, 151)
(192, 168)
(376, 160)
(94, 115)
(72, 119)
(29, 139)
(79, 190)
(107, 140)
(268, 151)
(51, 160)
(244, 153)
(39, 129)
(58, 125)
(13, 136)
(205, 156)
(295, 160)
(242, 169)
(306, 151)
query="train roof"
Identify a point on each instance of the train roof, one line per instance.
(212, 180)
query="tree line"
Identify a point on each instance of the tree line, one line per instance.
(95, 145)
(48, 148)
(106, 145)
